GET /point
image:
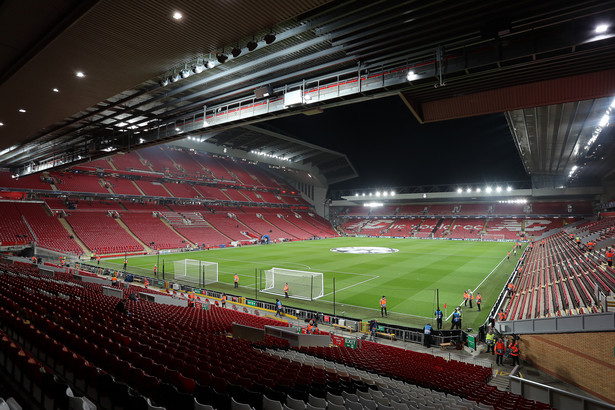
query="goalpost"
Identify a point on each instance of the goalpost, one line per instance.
(195, 271)
(302, 284)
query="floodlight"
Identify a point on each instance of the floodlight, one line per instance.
(508, 189)
(459, 190)
(236, 51)
(498, 189)
(356, 194)
(370, 194)
(604, 120)
(378, 193)
(468, 190)
(198, 68)
(411, 76)
(385, 193)
(363, 194)
(269, 38)
(478, 190)
(252, 45)
(392, 193)
(177, 15)
(488, 189)
(222, 58)
(601, 28)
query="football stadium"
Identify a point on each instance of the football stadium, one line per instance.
(317, 204)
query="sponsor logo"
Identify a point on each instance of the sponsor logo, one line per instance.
(365, 250)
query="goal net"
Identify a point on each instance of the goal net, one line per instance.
(494, 237)
(195, 272)
(301, 284)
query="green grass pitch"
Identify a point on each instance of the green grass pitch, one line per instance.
(408, 278)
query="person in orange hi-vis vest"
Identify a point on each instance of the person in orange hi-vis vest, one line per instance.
(609, 257)
(383, 306)
(155, 270)
(479, 300)
(501, 315)
(286, 290)
(500, 349)
(146, 283)
(465, 298)
(224, 300)
(236, 280)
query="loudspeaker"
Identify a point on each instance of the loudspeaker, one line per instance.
(263, 92)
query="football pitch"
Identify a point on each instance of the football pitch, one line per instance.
(408, 274)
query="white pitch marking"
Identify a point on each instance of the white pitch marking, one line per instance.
(449, 316)
(353, 285)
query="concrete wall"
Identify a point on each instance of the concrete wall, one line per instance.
(586, 360)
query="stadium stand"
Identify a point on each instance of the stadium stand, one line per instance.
(128, 162)
(158, 160)
(39, 182)
(68, 181)
(101, 233)
(186, 161)
(151, 230)
(181, 190)
(48, 231)
(123, 186)
(214, 167)
(375, 227)
(155, 189)
(236, 195)
(443, 228)
(180, 357)
(466, 228)
(508, 228)
(473, 209)
(253, 218)
(13, 228)
(211, 193)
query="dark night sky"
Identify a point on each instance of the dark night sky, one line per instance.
(389, 148)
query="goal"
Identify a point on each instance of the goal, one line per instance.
(195, 272)
(301, 284)
(494, 237)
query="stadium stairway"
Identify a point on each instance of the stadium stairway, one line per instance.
(72, 233)
(164, 221)
(135, 237)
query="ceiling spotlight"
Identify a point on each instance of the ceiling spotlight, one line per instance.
(177, 129)
(252, 45)
(175, 77)
(164, 82)
(210, 64)
(185, 73)
(236, 51)
(80, 74)
(269, 38)
(21, 110)
(411, 76)
(177, 15)
(1, 124)
(55, 90)
(601, 28)
(222, 58)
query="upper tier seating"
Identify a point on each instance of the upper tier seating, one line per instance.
(129, 161)
(122, 186)
(49, 231)
(252, 196)
(13, 229)
(236, 195)
(101, 233)
(143, 206)
(312, 223)
(158, 160)
(210, 192)
(214, 168)
(507, 209)
(388, 210)
(440, 209)
(186, 160)
(261, 226)
(68, 181)
(153, 188)
(472, 209)
(412, 210)
(270, 198)
(182, 190)
(150, 229)
(27, 182)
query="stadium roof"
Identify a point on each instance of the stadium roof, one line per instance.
(446, 59)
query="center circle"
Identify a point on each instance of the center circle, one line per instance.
(374, 250)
